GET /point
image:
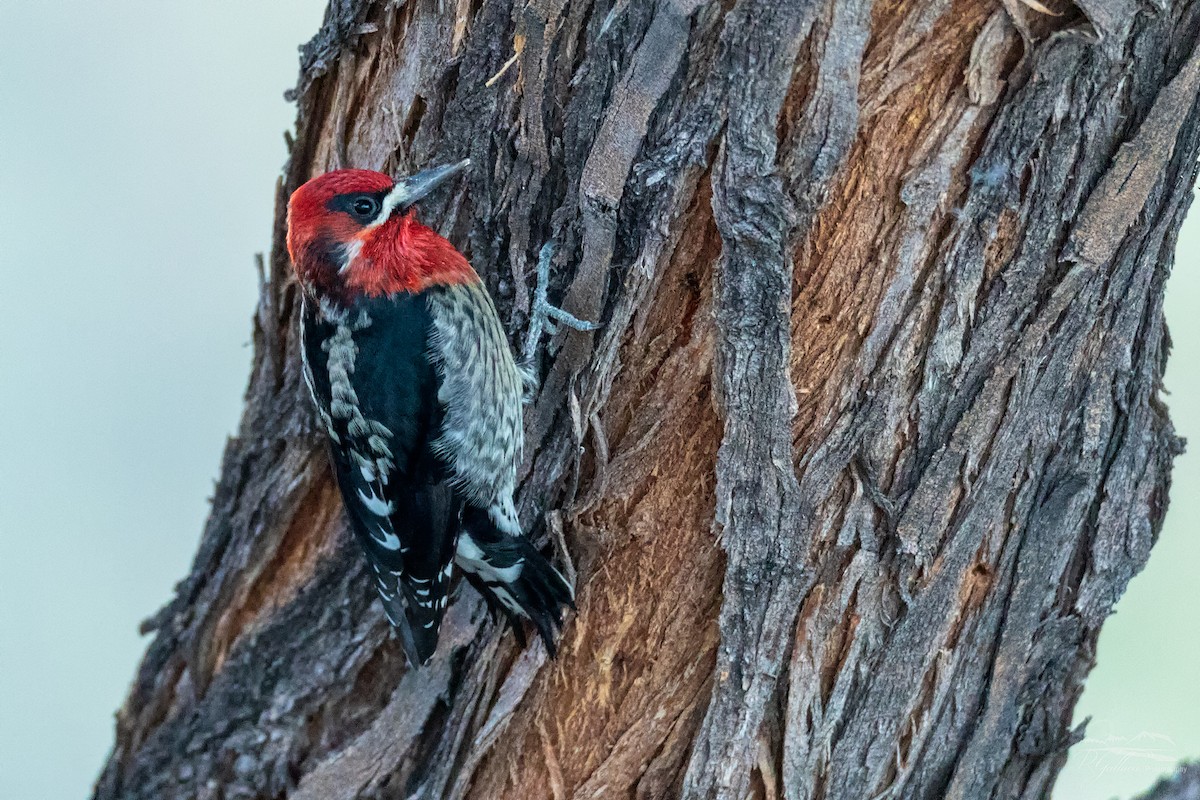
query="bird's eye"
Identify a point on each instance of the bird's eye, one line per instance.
(366, 206)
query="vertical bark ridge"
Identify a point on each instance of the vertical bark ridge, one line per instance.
(867, 448)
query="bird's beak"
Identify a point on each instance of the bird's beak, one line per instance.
(411, 189)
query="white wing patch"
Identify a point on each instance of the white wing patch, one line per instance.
(368, 445)
(306, 371)
(471, 557)
(385, 538)
(376, 505)
(344, 405)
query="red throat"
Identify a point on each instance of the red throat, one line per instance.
(402, 255)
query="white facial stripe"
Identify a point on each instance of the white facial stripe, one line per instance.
(350, 252)
(390, 201)
(411, 189)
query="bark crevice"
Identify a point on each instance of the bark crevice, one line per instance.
(869, 444)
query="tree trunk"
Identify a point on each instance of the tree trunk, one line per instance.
(868, 445)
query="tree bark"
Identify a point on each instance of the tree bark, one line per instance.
(868, 446)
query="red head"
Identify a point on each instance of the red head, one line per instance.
(353, 232)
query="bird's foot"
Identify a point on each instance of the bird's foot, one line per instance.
(550, 314)
(543, 315)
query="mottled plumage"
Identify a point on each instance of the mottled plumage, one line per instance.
(413, 378)
(481, 391)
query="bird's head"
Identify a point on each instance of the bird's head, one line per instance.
(354, 232)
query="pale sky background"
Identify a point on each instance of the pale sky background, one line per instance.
(140, 141)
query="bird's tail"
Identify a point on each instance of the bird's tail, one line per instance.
(513, 577)
(415, 620)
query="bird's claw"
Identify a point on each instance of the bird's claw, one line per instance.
(549, 312)
(542, 313)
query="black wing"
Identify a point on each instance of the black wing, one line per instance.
(377, 393)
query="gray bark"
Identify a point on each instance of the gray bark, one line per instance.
(867, 448)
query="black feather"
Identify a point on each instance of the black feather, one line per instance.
(395, 385)
(540, 590)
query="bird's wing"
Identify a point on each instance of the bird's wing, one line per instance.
(407, 529)
(378, 392)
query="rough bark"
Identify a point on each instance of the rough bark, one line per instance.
(868, 445)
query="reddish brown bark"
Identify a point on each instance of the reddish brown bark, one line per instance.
(869, 443)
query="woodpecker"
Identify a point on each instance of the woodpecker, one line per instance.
(420, 396)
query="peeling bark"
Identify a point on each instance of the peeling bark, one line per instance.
(868, 446)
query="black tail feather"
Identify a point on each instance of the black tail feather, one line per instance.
(420, 631)
(410, 621)
(541, 592)
(497, 608)
(537, 592)
(419, 643)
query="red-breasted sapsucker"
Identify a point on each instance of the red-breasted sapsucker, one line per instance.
(421, 397)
